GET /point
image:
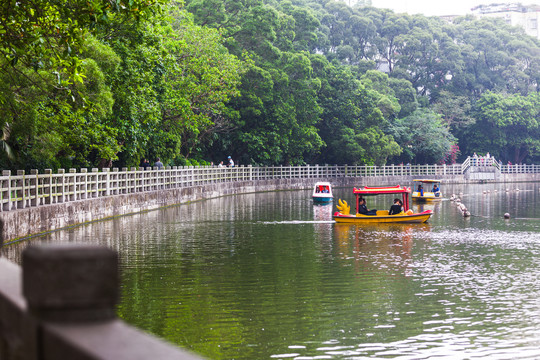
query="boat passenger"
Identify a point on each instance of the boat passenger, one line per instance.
(362, 208)
(396, 208)
(436, 190)
(421, 190)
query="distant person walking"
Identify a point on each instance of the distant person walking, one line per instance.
(231, 162)
(158, 164)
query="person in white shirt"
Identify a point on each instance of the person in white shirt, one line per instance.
(231, 162)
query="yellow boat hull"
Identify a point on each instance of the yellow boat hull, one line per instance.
(383, 217)
(428, 196)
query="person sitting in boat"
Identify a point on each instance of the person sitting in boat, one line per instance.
(396, 208)
(325, 190)
(436, 190)
(362, 208)
(421, 190)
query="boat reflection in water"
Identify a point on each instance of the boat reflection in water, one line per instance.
(381, 246)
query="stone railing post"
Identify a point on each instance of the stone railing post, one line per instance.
(84, 183)
(71, 292)
(73, 186)
(123, 181)
(70, 283)
(6, 191)
(21, 190)
(114, 181)
(95, 184)
(107, 182)
(35, 198)
(48, 185)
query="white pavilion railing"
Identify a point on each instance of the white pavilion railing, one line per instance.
(21, 190)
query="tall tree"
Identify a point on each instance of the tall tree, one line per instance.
(352, 121)
(508, 126)
(424, 137)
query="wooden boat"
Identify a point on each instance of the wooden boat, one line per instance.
(322, 193)
(424, 190)
(407, 216)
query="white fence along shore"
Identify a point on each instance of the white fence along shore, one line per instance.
(21, 190)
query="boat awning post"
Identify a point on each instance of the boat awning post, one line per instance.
(405, 201)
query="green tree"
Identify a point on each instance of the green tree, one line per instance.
(46, 34)
(54, 94)
(507, 126)
(386, 97)
(496, 57)
(172, 86)
(424, 137)
(52, 125)
(352, 121)
(455, 110)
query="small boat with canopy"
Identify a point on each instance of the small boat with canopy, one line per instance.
(382, 216)
(426, 190)
(322, 193)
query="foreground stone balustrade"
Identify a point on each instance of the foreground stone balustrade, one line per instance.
(60, 305)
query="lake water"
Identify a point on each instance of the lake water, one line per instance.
(270, 276)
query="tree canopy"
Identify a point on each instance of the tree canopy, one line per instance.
(109, 82)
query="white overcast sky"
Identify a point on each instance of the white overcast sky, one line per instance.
(438, 7)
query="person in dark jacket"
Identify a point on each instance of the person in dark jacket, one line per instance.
(396, 208)
(362, 208)
(145, 164)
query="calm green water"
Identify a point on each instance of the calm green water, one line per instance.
(270, 276)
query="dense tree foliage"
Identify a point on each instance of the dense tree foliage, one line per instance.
(108, 82)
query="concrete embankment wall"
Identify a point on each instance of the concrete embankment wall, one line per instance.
(515, 178)
(35, 220)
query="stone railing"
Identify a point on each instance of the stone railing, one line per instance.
(60, 305)
(21, 190)
(520, 169)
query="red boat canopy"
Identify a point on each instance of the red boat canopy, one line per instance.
(366, 190)
(382, 190)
